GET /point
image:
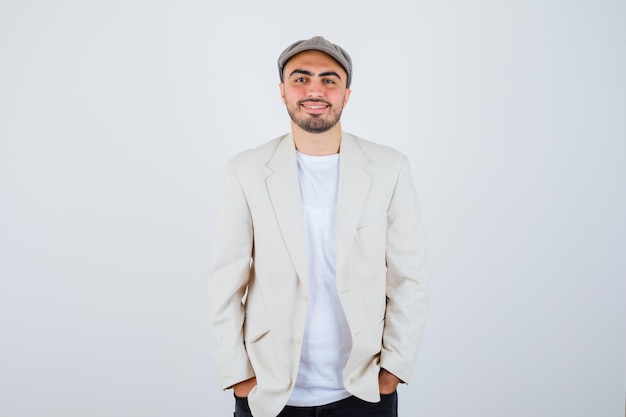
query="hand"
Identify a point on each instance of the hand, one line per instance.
(243, 388)
(387, 382)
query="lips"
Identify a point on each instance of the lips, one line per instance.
(314, 107)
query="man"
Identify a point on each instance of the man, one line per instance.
(318, 282)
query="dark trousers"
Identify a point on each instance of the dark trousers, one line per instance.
(350, 407)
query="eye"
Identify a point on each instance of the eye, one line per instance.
(300, 80)
(329, 81)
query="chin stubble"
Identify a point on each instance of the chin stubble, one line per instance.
(312, 123)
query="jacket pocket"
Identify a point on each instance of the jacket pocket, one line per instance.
(378, 227)
(254, 329)
(254, 337)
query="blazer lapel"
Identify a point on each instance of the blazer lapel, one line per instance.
(284, 191)
(354, 186)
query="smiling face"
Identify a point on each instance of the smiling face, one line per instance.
(314, 91)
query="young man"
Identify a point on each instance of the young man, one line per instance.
(318, 282)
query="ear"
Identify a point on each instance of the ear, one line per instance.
(281, 86)
(347, 97)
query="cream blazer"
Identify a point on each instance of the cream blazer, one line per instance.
(258, 277)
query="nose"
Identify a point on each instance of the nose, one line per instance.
(315, 89)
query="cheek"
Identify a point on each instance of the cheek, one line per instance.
(337, 97)
(291, 96)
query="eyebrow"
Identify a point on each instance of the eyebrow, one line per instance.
(310, 74)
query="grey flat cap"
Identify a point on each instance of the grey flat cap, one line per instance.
(317, 43)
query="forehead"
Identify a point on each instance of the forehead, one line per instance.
(314, 61)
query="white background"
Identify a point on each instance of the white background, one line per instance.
(117, 119)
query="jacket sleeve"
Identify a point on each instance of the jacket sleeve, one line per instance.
(407, 276)
(228, 279)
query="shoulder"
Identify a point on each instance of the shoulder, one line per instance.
(259, 155)
(375, 152)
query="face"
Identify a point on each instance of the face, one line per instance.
(314, 91)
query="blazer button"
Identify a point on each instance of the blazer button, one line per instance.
(298, 340)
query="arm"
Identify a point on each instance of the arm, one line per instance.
(407, 274)
(228, 279)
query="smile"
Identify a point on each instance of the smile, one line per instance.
(314, 107)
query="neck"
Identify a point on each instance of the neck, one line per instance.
(317, 144)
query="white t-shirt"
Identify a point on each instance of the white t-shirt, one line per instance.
(327, 341)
